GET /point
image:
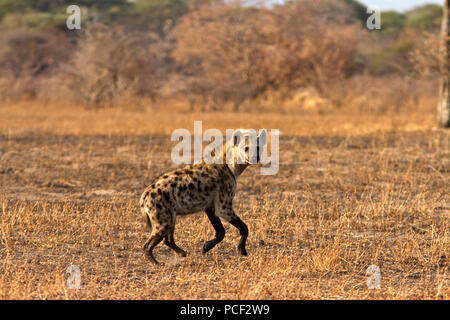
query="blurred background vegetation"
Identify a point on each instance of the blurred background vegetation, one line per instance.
(218, 54)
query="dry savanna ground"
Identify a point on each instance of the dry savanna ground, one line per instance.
(353, 190)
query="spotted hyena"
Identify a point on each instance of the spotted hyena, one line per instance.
(200, 187)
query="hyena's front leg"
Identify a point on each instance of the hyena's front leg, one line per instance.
(243, 230)
(229, 215)
(218, 227)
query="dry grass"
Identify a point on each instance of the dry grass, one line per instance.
(352, 190)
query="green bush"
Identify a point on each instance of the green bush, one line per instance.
(12, 6)
(158, 16)
(424, 17)
(392, 21)
(34, 20)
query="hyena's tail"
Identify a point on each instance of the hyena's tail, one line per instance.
(147, 220)
(143, 211)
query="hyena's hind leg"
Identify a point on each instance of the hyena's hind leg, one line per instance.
(151, 243)
(170, 242)
(160, 229)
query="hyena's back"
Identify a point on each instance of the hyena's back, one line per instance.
(188, 190)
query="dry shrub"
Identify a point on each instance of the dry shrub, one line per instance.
(387, 95)
(308, 99)
(27, 57)
(233, 53)
(320, 42)
(425, 58)
(112, 67)
(16, 89)
(330, 57)
(227, 52)
(384, 95)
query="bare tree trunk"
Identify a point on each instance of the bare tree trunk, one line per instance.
(444, 98)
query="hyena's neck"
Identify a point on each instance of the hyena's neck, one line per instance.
(234, 168)
(231, 169)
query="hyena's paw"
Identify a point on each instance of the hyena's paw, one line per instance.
(242, 250)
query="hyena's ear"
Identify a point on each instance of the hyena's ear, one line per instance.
(238, 137)
(262, 137)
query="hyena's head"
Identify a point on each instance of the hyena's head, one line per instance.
(244, 148)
